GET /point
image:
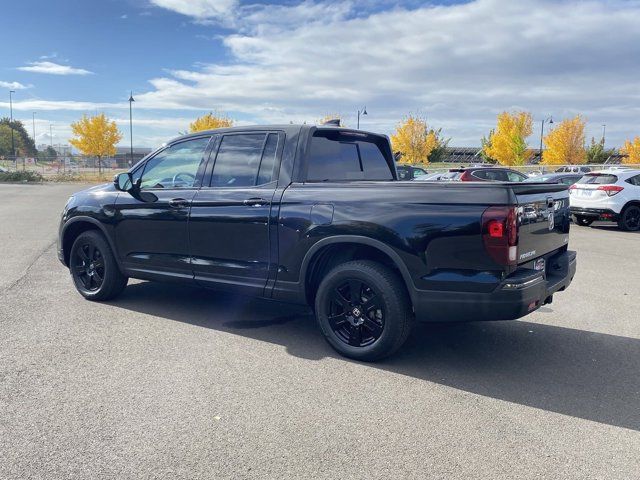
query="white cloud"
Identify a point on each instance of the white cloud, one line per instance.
(199, 9)
(458, 64)
(14, 85)
(53, 69)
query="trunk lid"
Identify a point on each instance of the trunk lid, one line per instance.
(543, 219)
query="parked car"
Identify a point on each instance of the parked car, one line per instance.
(435, 177)
(488, 174)
(573, 169)
(564, 178)
(3, 170)
(316, 216)
(611, 195)
(409, 172)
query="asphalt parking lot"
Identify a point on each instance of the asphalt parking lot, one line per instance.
(174, 382)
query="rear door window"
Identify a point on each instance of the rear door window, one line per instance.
(246, 159)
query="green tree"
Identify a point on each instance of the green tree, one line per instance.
(439, 152)
(23, 143)
(596, 153)
(486, 147)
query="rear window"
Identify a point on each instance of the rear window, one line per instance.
(598, 179)
(335, 156)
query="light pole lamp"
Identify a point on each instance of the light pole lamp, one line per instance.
(548, 120)
(361, 112)
(131, 100)
(13, 145)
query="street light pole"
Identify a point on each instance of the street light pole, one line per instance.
(131, 100)
(34, 128)
(604, 130)
(361, 112)
(51, 136)
(13, 145)
(549, 120)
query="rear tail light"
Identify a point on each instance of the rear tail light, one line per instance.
(466, 177)
(572, 187)
(610, 190)
(500, 234)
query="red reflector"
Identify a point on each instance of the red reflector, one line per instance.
(496, 229)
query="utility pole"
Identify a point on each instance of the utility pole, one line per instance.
(34, 129)
(604, 130)
(549, 120)
(131, 100)
(13, 145)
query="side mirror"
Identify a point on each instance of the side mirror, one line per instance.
(123, 182)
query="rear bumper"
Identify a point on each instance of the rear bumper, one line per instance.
(517, 295)
(595, 213)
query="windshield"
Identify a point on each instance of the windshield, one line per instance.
(598, 179)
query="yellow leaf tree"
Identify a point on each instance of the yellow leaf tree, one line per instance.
(565, 143)
(96, 136)
(414, 140)
(632, 151)
(210, 121)
(507, 144)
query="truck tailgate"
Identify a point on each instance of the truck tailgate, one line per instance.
(543, 217)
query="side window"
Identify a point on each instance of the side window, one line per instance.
(481, 174)
(268, 163)
(374, 164)
(176, 166)
(515, 177)
(238, 161)
(635, 180)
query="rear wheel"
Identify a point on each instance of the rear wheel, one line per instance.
(630, 219)
(363, 310)
(94, 269)
(584, 221)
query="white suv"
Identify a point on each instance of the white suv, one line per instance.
(612, 195)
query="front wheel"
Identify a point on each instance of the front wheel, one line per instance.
(363, 310)
(94, 269)
(584, 221)
(630, 219)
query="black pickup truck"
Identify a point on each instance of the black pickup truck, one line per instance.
(316, 215)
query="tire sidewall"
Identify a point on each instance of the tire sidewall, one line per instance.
(392, 310)
(624, 217)
(110, 267)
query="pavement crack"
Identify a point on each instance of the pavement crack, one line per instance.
(27, 270)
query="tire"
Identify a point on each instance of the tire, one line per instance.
(363, 310)
(93, 268)
(584, 221)
(630, 219)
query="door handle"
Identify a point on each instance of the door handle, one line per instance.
(178, 203)
(254, 202)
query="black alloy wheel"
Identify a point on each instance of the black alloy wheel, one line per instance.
(88, 266)
(630, 219)
(356, 313)
(364, 310)
(94, 269)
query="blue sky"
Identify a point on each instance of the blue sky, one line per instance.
(457, 64)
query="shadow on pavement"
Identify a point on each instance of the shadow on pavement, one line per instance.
(583, 374)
